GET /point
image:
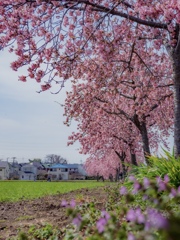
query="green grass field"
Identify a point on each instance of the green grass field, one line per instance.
(18, 190)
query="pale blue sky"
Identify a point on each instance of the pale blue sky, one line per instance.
(31, 124)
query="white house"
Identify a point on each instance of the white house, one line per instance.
(4, 170)
(65, 172)
(58, 172)
(28, 172)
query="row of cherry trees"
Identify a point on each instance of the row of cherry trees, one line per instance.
(128, 114)
(122, 56)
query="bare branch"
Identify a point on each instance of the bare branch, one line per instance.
(144, 63)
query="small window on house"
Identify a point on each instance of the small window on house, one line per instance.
(64, 170)
(22, 176)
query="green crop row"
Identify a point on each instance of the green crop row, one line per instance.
(18, 190)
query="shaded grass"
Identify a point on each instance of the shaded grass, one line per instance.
(12, 191)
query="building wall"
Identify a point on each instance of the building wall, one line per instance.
(29, 168)
(27, 176)
(58, 174)
(4, 173)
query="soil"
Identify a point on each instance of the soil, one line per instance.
(19, 216)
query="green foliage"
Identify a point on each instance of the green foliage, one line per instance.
(129, 217)
(159, 167)
(34, 233)
(22, 236)
(18, 190)
(46, 232)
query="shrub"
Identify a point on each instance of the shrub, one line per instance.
(159, 167)
(127, 217)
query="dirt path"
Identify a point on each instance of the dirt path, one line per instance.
(23, 214)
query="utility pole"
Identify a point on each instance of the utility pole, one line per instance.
(13, 159)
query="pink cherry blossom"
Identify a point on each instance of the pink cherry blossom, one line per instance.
(127, 56)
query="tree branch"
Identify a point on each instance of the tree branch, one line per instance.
(156, 105)
(113, 12)
(100, 8)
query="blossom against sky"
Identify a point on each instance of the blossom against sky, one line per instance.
(31, 124)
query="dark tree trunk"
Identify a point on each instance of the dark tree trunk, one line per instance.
(176, 78)
(133, 159)
(117, 173)
(145, 141)
(174, 53)
(122, 157)
(111, 177)
(144, 136)
(124, 172)
(133, 155)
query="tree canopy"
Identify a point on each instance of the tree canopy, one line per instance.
(53, 158)
(129, 48)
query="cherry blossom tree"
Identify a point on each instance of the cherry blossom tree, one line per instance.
(105, 165)
(132, 101)
(100, 132)
(57, 40)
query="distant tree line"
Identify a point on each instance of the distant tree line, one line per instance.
(51, 159)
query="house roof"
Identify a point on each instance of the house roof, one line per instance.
(23, 164)
(64, 166)
(75, 165)
(38, 165)
(28, 165)
(46, 165)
